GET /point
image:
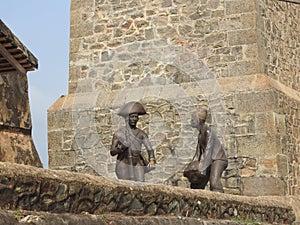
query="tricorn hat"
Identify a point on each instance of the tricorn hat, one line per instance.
(132, 107)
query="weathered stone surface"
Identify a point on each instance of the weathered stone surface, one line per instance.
(239, 6)
(243, 37)
(262, 185)
(257, 146)
(280, 43)
(30, 188)
(14, 103)
(255, 82)
(17, 147)
(19, 217)
(15, 122)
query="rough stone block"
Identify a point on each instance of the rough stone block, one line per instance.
(250, 51)
(246, 172)
(240, 84)
(267, 166)
(217, 39)
(242, 37)
(58, 120)
(265, 123)
(283, 165)
(245, 102)
(239, 6)
(233, 182)
(14, 102)
(244, 124)
(85, 29)
(242, 68)
(255, 101)
(55, 140)
(61, 158)
(18, 148)
(265, 101)
(259, 186)
(238, 21)
(280, 123)
(264, 145)
(58, 105)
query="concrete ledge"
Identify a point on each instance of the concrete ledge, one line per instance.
(30, 188)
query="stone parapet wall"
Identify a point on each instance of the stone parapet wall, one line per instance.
(33, 189)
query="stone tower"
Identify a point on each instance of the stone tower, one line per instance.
(16, 144)
(240, 58)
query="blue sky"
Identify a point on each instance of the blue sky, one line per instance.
(43, 27)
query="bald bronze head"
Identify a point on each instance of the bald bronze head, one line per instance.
(198, 118)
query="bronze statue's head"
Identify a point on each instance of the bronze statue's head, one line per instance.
(202, 113)
(198, 118)
(131, 111)
(132, 119)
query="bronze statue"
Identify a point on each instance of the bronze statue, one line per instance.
(210, 158)
(127, 143)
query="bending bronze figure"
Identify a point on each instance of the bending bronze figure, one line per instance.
(210, 155)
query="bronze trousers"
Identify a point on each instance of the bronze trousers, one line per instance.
(213, 175)
(126, 171)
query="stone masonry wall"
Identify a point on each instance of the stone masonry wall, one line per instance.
(34, 189)
(288, 128)
(222, 33)
(279, 33)
(119, 49)
(173, 56)
(291, 143)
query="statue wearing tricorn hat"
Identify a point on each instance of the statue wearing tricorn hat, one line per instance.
(127, 144)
